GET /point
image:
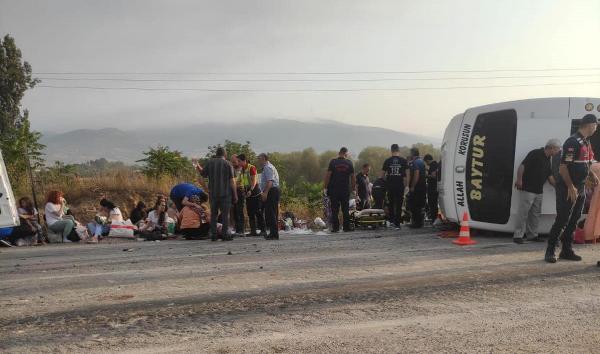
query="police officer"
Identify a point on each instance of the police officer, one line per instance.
(418, 189)
(577, 156)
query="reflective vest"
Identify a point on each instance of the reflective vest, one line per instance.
(244, 178)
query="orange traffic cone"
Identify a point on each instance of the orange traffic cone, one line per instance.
(464, 238)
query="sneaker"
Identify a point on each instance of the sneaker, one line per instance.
(263, 234)
(518, 241)
(93, 239)
(569, 256)
(550, 257)
(5, 243)
(252, 234)
(66, 240)
(272, 237)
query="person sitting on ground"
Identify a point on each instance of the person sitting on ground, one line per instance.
(157, 220)
(29, 232)
(195, 222)
(56, 219)
(101, 225)
(138, 213)
(172, 212)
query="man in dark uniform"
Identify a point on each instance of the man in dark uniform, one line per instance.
(339, 175)
(418, 189)
(577, 156)
(432, 191)
(395, 172)
(363, 186)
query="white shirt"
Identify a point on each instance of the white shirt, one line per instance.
(53, 213)
(153, 217)
(115, 215)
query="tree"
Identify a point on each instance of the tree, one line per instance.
(232, 147)
(18, 143)
(161, 162)
(374, 156)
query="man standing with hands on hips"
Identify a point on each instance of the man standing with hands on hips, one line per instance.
(577, 156)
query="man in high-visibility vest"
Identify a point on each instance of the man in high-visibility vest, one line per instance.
(248, 182)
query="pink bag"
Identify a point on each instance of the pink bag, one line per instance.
(579, 236)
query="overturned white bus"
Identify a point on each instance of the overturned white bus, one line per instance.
(8, 208)
(483, 147)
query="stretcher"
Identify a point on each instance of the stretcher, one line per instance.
(368, 218)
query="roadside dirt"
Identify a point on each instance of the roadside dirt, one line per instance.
(384, 291)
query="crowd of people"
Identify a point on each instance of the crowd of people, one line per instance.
(405, 189)
(231, 192)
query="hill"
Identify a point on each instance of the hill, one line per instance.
(275, 135)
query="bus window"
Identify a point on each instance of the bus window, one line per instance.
(490, 165)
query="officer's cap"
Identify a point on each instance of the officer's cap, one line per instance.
(589, 119)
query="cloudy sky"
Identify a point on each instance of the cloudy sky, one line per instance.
(405, 65)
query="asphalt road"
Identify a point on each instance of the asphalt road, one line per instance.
(385, 291)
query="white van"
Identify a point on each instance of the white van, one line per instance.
(484, 146)
(8, 208)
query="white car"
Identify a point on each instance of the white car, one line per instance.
(483, 147)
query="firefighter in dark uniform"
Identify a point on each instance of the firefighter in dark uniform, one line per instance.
(577, 156)
(417, 196)
(432, 191)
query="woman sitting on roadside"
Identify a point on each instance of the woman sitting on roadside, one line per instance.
(29, 232)
(157, 220)
(194, 221)
(55, 216)
(101, 225)
(138, 213)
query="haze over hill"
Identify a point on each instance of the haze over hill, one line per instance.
(193, 140)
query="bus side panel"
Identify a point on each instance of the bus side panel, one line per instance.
(8, 208)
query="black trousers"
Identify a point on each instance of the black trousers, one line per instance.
(340, 202)
(271, 206)
(238, 210)
(567, 215)
(395, 202)
(199, 233)
(364, 203)
(255, 212)
(223, 205)
(432, 203)
(416, 201)
(379, 200)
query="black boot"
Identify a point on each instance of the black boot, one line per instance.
(550, 257)
(569, 255)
